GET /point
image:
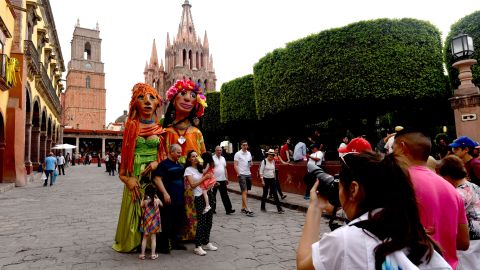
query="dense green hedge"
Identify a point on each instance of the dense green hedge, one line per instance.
(211, 118)
(469, 25)
(237, 100)
(367, 65)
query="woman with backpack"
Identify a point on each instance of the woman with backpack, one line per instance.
(267, 176)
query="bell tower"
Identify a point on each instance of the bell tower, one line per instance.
(85, 103)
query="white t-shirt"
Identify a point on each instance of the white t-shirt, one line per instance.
(219, 170)
(244, 160)
(196, 176)
(119, 159)
(318, 154)
(389, 144)
(60, 160)
(349, 247)
(267, 168)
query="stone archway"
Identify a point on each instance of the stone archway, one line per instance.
(35, 137)
(2, 145)
(28, 131)
(43, 137)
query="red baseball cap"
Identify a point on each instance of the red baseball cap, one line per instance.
(356, 145)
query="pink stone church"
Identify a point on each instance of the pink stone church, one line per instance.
(186, 56)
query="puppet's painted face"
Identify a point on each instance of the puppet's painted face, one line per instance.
(185, 101)
(146, 105)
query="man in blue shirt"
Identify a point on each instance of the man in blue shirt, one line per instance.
(50, 166)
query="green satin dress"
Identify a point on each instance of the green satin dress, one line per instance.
(128, 235)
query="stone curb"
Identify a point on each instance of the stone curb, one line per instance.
(283, 203)
(4, 187)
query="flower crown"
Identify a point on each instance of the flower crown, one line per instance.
(187, 85)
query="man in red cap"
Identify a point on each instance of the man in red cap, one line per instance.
(356, 145)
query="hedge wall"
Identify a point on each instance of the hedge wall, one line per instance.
(237, 100)
(469, 25)
(211, 118)
(369, 65)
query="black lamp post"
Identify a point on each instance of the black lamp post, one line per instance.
(462, 46)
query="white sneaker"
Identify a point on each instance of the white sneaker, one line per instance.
(199, 251)
(206, 209)
(209, 246)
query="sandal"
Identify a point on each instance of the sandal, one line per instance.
(154, 256)
(141, 256)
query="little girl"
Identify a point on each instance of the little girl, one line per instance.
(206, 185)
(150, 223)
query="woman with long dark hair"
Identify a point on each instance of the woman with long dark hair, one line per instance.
(385, 231)
(195, 177)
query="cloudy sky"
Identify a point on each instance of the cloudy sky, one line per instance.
(239, 32)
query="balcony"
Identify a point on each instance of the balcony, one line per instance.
(33, 59)
(3, 72)
(44, 85)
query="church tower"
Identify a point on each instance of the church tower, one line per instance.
(186, 56)
(85, 94)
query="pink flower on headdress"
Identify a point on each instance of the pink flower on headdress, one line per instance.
(181, 85)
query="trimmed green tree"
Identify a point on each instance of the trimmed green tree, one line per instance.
(237, 101)
(367, 67)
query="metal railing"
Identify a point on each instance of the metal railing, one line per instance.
(46, 83)
(33, 59)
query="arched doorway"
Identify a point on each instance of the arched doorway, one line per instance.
(2, 145)
(35, 137)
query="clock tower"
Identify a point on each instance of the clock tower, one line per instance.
(84, 106)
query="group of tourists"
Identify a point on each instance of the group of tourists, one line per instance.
(167, 173)
(400, 213)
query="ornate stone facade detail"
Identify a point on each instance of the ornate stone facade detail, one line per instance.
(186, 56)
(465, 101)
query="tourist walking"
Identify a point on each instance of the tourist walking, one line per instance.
(194, 177)
(50, 165)
(242, 162)
(61, 164)
(221, 175)
(112, 164)
(267, 176)
(278, 188)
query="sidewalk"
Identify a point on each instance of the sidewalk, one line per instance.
(292, 201)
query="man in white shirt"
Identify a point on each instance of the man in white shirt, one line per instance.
(316, 157)
(61, 164)
(391, 139)
(221, 175)
(242, 163)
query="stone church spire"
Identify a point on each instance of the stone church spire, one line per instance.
(205, 40)
(186, 28)
(153, 57)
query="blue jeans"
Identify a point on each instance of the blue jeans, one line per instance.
(48, 174)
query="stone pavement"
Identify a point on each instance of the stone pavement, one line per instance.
(71, 225)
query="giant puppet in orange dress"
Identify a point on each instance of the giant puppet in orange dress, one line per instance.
(186, 102)
(142, 150)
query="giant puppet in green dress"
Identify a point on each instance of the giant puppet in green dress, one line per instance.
(142, 149)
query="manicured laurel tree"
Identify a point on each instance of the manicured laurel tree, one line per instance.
(368, 65)
(211, 118)
(237, 101)
(469, 25)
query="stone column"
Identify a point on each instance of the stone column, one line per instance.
(49, 144)
(103, 147)
(28, 142)
(43, 146)
(466, 102)
(35, 146)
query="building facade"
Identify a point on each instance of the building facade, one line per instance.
(84, 100)
(185, 57)
(32, 114)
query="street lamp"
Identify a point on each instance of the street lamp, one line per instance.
(462, 46)
(462, 49)
(466, 99)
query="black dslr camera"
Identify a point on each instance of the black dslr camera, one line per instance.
(328, 186)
